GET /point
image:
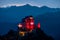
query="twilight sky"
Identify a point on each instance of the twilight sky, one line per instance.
(49, 3)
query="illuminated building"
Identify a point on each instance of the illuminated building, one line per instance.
(27, 25)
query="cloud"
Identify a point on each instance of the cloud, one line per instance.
(9, 5)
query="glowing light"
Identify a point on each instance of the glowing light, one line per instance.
(31, 17)
(20, 25)
(38, 25)
(31, 23)
(22, 33)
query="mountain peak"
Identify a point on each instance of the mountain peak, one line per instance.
(27, 5)
(44, 7)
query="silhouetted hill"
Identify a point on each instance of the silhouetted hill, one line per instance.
(50, 23)
(38, 35)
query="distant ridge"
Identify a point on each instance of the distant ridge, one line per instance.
(24, 5)
(14, 12)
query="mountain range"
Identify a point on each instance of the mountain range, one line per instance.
(14, 14)
(48, 17)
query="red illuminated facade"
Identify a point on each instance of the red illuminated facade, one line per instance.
(28, 24)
